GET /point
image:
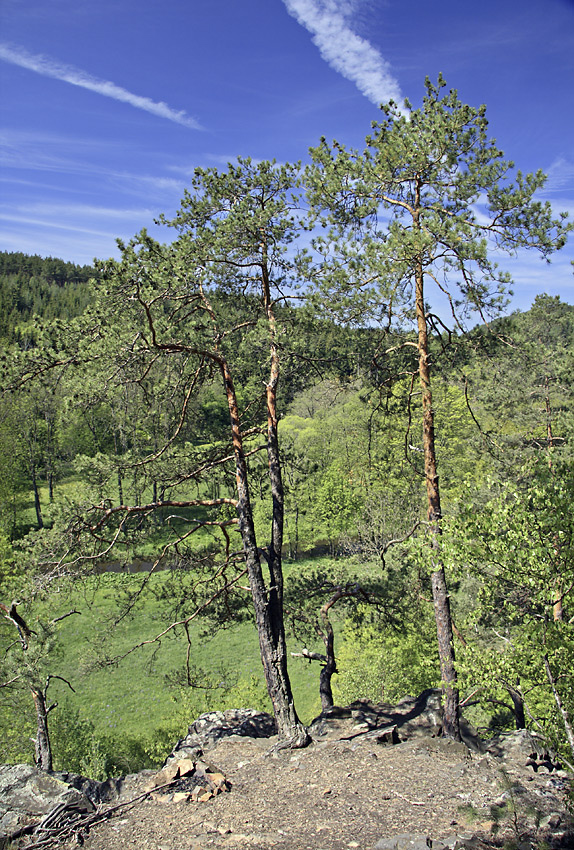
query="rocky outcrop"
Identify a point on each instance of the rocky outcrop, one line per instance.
(66, 806)
(33, 801)
(212, 727)
(386, 723)
(526, 748)
(28, 795)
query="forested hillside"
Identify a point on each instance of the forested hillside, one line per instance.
(41, 288)
(261, 428)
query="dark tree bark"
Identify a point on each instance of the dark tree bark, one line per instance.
(223, 248)
(42, 746)
(267, 603)
(37, 505)
(323, 628)
(451, 725)
(518, 706)
(330, 666)
(294, 730)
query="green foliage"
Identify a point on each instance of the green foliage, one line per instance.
(18, 726)
(10, 572)
(329, 476)
(386, 641)
(33, 286)
(429, 191)
(79, 747)
(384, 664)
(122, 403)
(218, 691)
(520, 549)
(520, 380)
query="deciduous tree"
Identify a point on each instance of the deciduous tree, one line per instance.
(520, 551)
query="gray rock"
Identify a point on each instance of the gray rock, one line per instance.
(523, 748)
(209, 728)
(405, 841)
(390, 724)
(27, 793)
(450, 841)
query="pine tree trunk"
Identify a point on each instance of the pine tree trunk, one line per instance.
(37, 505)
(451, 726)
(518, 705)
(43, 749)
(330, 666)
(267, 603)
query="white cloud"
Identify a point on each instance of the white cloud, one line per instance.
(345, 51)
(52, 213)
(67, 73)
(74, 231)
(560, 176)
(51, 224)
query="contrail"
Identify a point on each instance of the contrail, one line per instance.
(349, 54)
(67, 73)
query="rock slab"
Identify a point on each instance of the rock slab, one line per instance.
(27, 793)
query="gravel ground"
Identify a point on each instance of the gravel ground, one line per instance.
(349, 794)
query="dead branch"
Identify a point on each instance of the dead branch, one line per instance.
(311, 656)
(65, 821)
(64, 616)
(138, 509)
(11, 614)
(396, 540)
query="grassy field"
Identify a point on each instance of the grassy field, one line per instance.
(133, 696)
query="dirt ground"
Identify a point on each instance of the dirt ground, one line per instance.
(349, 794)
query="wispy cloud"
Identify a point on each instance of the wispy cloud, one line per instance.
(48, 67)
(75, 231)
(348, 53)
(560, 176)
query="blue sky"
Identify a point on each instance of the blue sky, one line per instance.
(108, 106)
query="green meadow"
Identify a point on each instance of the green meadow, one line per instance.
(134, 695)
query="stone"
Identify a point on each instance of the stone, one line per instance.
(363, 726)
(217, 781)
(212, 727)
(167, 774)
(450, 841)
(391, 724)
(27, 794)
(405, 841)
(204, 797)
(468, 843)
(521, 746)
(185, 766)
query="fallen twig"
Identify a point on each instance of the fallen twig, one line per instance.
(72, 822)
(406, 799)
